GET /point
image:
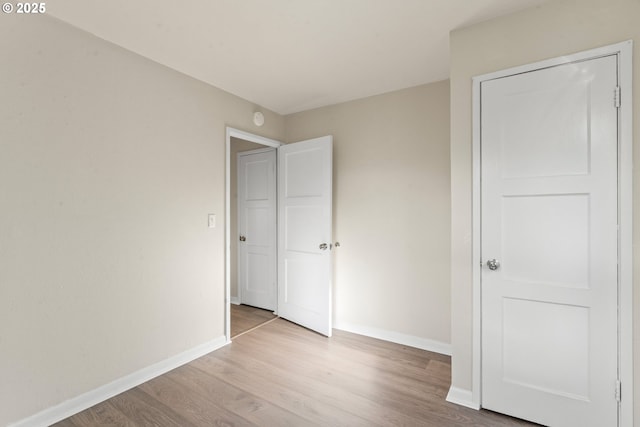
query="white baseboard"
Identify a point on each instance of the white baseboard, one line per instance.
(396, 337)
(235, 300)
(84, 401)
(462, 397)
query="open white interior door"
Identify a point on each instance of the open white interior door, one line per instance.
(304, 233)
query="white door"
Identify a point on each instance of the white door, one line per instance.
(257, 228)
(549, 219)
(304, 233)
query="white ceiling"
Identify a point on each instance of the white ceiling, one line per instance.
(289, 55)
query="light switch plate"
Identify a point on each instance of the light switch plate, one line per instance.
(212, 220)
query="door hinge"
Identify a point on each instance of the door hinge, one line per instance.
(618, 390)
(616, 97)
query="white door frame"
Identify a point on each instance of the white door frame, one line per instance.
(625, 204)
(234, 133)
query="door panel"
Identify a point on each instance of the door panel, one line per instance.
(529, 152)
(556, 230)
(257, 224)
(549, 216)
(564, 373)
(304, 223)
(303, 218)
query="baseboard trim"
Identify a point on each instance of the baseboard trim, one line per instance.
(396, 337)
(84, 401)
(462, 397)
(234, 300)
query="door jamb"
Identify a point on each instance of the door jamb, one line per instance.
(234, 133)
(625, 219)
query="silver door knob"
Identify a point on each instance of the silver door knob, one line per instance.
(493, 264)
(323, 246)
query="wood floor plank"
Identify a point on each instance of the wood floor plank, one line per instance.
(65, 423)
(143, 410)
(304, 402)
(186, 399)
(284, 375)
(397, 375)
(243, 403)
(364, 374)
(102, 414)
(345, 382)
(323, 394)
(245, 318)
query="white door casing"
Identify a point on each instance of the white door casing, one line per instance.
(549, 215)
(304, 233)
(257, 228)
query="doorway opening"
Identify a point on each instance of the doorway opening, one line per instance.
(304, 242)
(245, 318)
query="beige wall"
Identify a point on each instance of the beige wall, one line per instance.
(237, 146)
(109, 165)
(391, 211)
(554, 29)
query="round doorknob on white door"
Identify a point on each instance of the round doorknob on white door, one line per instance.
(493, 264)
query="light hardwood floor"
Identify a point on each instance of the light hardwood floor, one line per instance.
(244, 318)
(284, 375)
